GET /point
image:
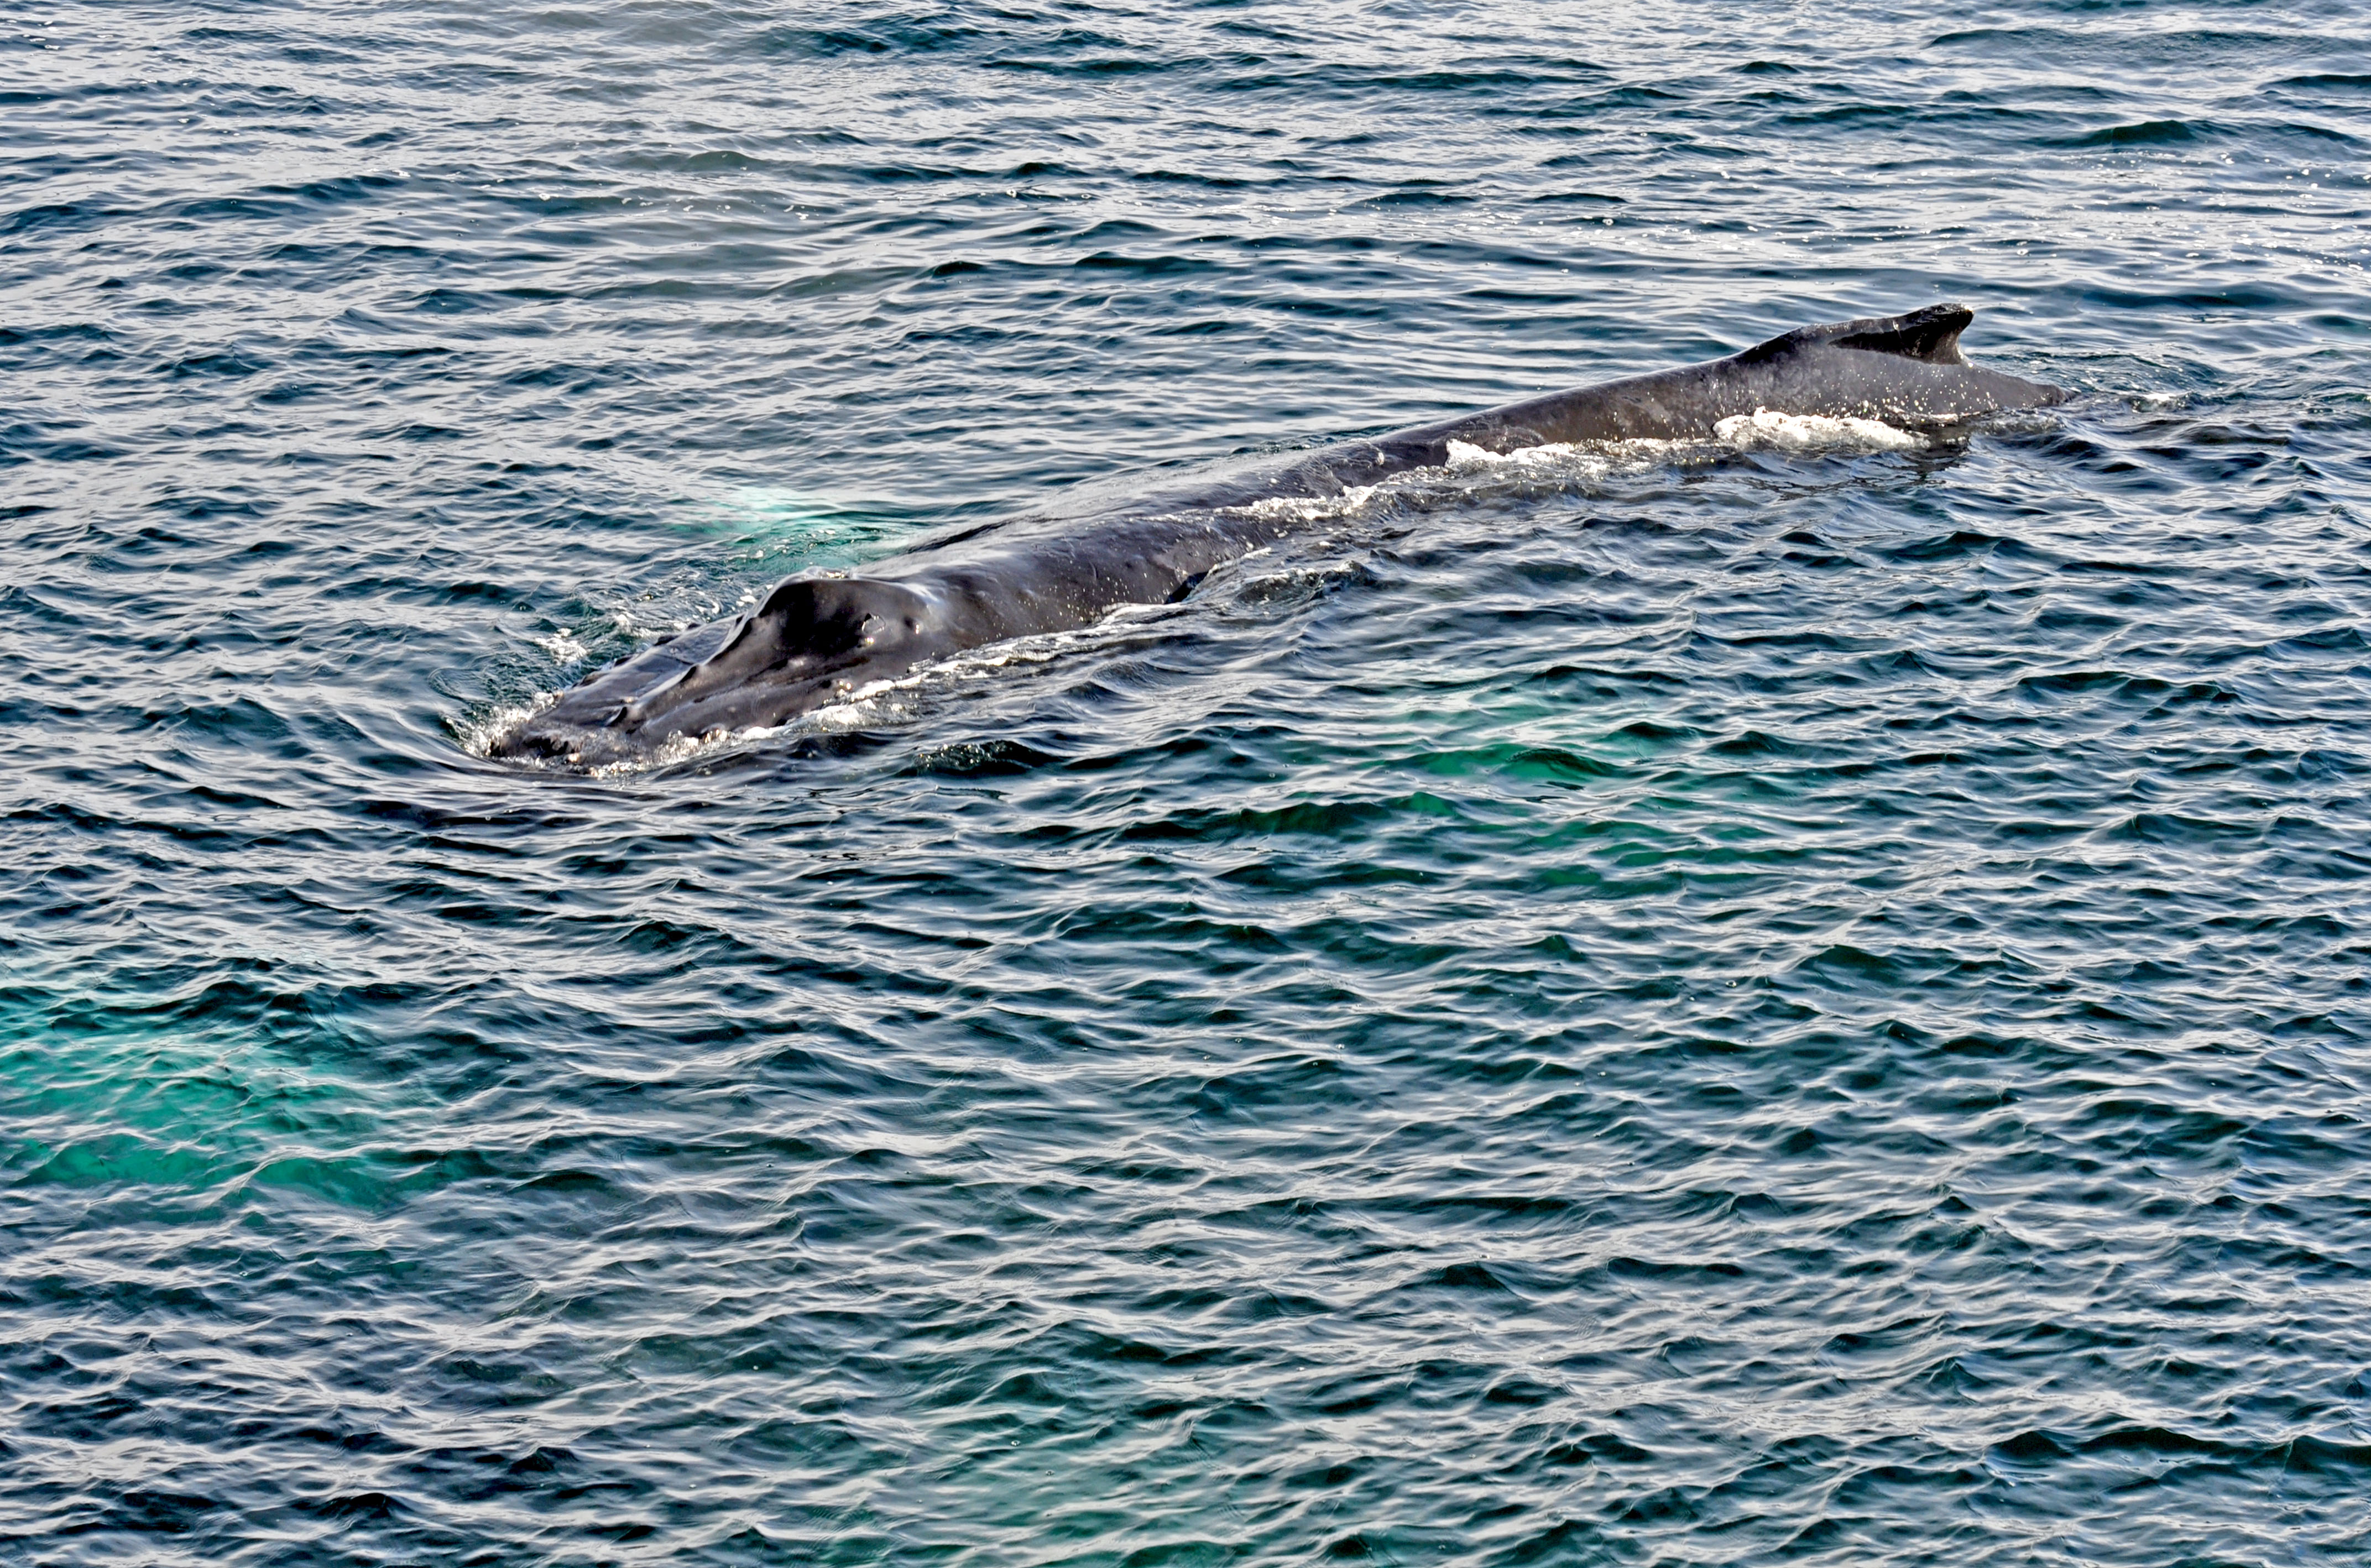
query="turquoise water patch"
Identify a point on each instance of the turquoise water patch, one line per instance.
(182, 1111)
(790, 531)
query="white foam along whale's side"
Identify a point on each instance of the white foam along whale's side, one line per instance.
(817, 637)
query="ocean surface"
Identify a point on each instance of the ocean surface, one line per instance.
(1803, 999)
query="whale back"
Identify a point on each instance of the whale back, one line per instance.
(814, 639)
(1905, 370)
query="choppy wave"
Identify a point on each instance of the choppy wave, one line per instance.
(1798, 999)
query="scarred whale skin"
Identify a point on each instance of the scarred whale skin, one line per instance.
(815, 638)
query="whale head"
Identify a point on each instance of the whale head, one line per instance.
(813, 638)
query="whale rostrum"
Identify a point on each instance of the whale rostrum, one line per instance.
(815, 638)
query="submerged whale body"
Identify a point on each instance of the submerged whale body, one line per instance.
(817, 639)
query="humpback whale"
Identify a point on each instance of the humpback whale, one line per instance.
(819, 637)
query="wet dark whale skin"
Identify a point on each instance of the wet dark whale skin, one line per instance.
(817, 639)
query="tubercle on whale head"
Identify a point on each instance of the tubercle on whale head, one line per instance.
(778, 661)
(805, 625)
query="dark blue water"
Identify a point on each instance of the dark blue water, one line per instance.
(1805, 1001)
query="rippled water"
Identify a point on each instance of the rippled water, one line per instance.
(1731, 1007)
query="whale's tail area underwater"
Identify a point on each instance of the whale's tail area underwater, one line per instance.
(815, 638)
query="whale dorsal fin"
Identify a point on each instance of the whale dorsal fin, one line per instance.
(1931, 334)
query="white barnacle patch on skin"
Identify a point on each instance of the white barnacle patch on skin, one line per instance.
(1464, 455)
(1570, 462)
(1814, 432)
(1311, 508)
